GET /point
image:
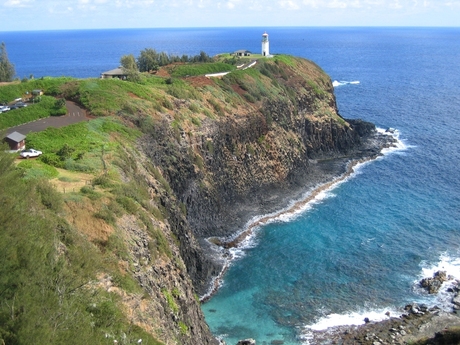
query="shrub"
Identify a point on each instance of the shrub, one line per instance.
(249, 97)
(196, 121)
(103, 181)
(194, 108)
(90, 192)
(183, 328)
(106, 215)
(170, 300)
(49, 197)
(52, 159)
(128, 204)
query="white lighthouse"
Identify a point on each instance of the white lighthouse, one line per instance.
(265, 44)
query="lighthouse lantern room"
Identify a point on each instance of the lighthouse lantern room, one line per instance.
(265, 48)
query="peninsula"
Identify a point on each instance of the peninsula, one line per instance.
(122, 215)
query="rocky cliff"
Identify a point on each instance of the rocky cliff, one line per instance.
(274, 132)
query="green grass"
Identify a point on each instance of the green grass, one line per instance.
(34, 169)
(107, 96)
(287, 59)
(170, 301)
(80, 146)
(50, 86)
(201, 69)
(53, 287)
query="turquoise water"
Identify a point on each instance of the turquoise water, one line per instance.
(360, 248)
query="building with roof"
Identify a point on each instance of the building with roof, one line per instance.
(242, 52)
(16, 141)
(119, 73)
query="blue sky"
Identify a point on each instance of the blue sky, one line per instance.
(93, 14)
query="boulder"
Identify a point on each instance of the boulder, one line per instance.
(247, 342)
(456, 300)
(432, 285)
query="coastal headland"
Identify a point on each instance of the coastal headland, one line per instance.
(181, 167)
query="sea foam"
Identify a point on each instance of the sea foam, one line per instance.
(451, 265)
(336, 83)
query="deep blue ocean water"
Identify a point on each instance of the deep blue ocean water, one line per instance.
(359, 249)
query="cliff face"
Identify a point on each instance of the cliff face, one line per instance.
(278, 139)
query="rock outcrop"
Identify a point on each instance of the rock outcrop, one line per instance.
(433, 284)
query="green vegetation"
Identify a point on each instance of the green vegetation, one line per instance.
(35, 169)
(200, 69)
(170, 300)
(50, 86)
(183, 328)
(286, 59)
(81, 146)
(6, 67)
(47, 270)
(150, 60)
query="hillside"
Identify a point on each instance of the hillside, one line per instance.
(109, 240)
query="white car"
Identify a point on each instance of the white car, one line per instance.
(30, 153)
(4, 108)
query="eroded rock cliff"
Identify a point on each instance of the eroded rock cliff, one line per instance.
(274, 133)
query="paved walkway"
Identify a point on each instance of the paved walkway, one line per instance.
(74, 114)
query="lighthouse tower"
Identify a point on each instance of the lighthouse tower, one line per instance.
(265, 50)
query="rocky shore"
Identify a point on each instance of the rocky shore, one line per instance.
(417, 324)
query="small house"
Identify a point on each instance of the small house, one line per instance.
(242, 52)
(16, 141)
(36, 93)
(119, 73)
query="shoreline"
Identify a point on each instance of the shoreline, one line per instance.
(307, 197)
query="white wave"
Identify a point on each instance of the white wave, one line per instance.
(400, 144)
(332, 321)
(446, 263)
(336, 83)
(449, 264)
(351, 319)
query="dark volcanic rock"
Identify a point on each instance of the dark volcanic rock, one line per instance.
(432, 285)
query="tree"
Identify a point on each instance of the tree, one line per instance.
(129, 62)
(7, 71)
(148, 60)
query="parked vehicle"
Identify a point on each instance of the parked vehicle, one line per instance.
(30, 153)
(18, 105)
(4, 108)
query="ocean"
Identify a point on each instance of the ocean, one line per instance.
(360, 247)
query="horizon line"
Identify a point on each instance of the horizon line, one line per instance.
(242, 27)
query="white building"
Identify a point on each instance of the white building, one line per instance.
(265, 45)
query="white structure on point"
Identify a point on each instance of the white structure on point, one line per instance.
(265, 48)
